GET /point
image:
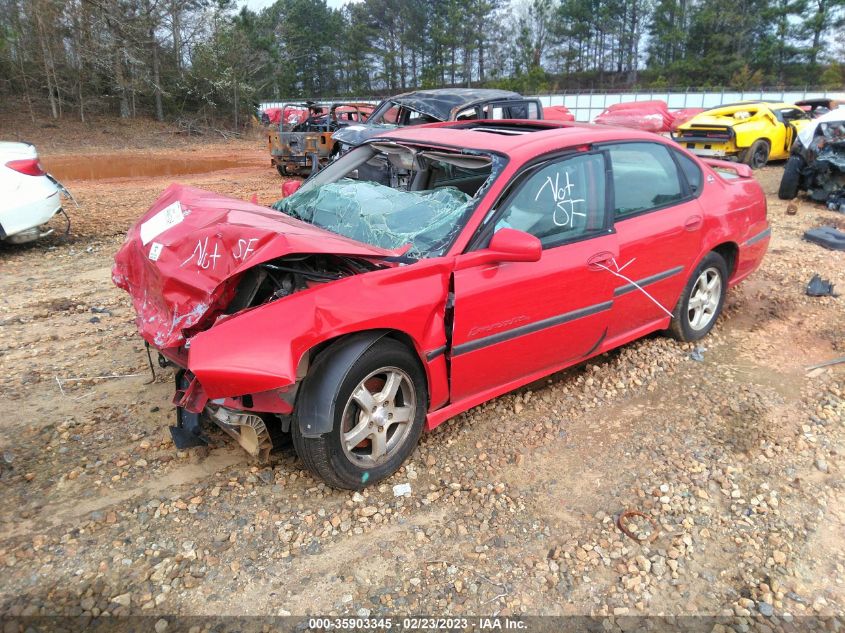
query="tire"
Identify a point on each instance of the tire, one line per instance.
(690, 323)
(284, 170)
(757, 155)
(789, 183)
(333, 458)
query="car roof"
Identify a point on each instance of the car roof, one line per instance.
(441, 102)
(518, 139)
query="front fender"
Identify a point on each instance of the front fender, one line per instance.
(261, 349)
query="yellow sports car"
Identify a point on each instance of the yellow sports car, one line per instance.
(752, 132)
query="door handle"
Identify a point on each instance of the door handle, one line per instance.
(598, 260)
(693, 223)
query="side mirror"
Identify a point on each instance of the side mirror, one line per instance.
(290, 187)
(506, 245)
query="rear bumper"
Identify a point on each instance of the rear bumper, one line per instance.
(25, 218)
(710, 152)
(708, 142)
(751, 253)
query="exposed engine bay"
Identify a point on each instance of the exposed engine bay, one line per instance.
(286, 275)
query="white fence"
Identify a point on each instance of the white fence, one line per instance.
(587, 105)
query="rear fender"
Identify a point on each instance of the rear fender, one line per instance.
(326, 374)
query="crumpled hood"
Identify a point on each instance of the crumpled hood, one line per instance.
(181, 261)
(354, 135)
(833, 152)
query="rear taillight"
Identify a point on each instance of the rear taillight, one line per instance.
(28, 166)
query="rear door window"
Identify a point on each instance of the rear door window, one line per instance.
(644, 178)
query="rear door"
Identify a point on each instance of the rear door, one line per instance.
(514, 320)
(658, 222)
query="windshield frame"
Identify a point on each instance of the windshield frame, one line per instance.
(359, 155)
(378, 114)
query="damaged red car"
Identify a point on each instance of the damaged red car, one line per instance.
(484, 255)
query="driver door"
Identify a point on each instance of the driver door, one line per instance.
(791, 119)
(515, 321)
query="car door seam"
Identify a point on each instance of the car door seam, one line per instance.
(530, 328)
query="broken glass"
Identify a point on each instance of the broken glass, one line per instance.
(380, 215)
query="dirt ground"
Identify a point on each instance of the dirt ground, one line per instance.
(737, 458)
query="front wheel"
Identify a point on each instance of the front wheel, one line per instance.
(791, 179)
(701, 302)
(379, 411)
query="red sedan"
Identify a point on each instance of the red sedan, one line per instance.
(427, 271)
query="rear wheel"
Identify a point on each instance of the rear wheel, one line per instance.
(757, 155)
(701, 302)
(791, 179)
(379, 411)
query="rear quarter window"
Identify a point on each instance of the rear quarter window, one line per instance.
(691, 171)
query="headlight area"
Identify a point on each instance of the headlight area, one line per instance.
(256, 421)
(290, 274)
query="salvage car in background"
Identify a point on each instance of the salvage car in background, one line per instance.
(29, 197)
(648, 116)
(817, 107)
(356, 313)
(753, 132)
(302, 140)
(817, 163)
(447, 104)
(557, 113)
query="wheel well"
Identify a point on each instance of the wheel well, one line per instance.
(311, 355)
(759, 138)
(729, 252)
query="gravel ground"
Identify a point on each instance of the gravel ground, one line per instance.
(735, 459)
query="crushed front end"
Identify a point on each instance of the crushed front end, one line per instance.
(825, 172)
(252, 420)
(197, 260)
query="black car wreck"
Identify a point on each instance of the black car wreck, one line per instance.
(432, 106)
(817, 162)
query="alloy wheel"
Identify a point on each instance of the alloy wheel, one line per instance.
(377, 417)
(704, 299)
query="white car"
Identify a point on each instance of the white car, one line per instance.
(28, 196)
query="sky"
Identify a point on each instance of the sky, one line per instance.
(256, 5)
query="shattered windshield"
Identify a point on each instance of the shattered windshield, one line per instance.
(392, 196)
